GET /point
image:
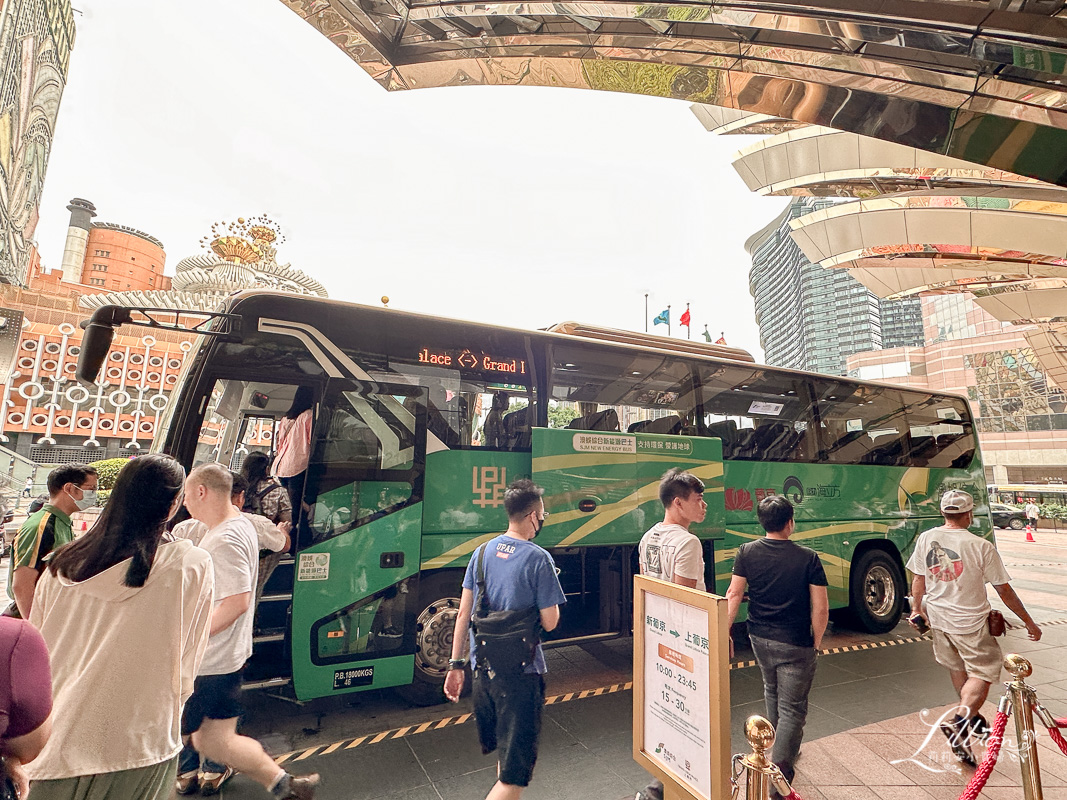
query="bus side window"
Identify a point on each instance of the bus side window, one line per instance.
(759, 415)
(863, 425)
(940, 429)
(612, 391)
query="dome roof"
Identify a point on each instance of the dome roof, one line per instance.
(204, 281)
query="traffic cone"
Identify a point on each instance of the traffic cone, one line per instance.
(1030, 533)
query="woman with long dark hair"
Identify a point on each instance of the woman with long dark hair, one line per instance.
(126, 619)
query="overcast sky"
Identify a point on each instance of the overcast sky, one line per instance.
(517, 205)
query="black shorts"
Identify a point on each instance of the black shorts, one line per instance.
(213, 697)
(508, 712)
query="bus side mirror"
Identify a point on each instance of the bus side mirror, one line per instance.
(99, 333)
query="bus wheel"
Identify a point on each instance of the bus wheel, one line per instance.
(434, 623)
(876, 591)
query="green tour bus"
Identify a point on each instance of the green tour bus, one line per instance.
(420, 423)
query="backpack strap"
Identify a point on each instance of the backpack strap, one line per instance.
(482, 601)
(254, 502)
(271, 486)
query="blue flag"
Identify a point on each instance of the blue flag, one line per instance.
(664, 318)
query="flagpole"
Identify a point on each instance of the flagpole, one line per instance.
(668, 319)
(646, 312)
(689, 327)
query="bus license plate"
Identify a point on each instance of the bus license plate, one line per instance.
(358, 676)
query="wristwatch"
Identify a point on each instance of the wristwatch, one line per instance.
(457, 663)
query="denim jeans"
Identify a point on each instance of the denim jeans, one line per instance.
(189, 761)
(788, 671)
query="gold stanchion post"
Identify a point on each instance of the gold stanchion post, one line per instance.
(761, 772)
(1023, 701)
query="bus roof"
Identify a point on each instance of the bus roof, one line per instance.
(617, 336)
(645, 342)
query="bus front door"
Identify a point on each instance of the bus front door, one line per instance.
(355, 585)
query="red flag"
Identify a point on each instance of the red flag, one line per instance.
(721, 339)
(684, 319)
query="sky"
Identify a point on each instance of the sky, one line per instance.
(523, 206)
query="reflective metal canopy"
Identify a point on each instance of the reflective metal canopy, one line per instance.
(982, 81)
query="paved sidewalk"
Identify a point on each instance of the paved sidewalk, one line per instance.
(869, 707)
(906, 758)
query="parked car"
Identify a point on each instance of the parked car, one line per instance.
(1005, 516)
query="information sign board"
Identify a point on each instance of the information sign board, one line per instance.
(681, 689)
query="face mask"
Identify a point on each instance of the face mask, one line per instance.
(88, 499)
(538, 524)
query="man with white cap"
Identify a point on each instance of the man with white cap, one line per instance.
(951, 566)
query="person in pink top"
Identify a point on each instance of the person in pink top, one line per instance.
(293, 447)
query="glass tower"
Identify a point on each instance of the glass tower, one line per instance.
(813, 318)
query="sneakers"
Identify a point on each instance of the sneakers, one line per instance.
(301, 787)
(188, 783)
(211, 782)
(958, 732)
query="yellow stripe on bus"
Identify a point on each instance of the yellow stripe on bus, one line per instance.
(608, 513)
(644, 494)
(458, 551)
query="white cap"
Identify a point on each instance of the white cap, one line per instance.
(956, 502)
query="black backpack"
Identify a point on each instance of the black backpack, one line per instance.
(506, 641)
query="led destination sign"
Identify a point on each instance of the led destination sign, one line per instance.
(468, 359)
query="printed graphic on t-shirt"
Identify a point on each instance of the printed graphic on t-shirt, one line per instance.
(652, 553)
(944, 564)
(504, 550)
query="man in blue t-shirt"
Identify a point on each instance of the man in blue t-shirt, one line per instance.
(788, 610)
(519, 575)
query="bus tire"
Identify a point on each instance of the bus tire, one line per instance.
(876, 591)
(435, 618)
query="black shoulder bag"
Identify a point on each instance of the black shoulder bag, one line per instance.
(506, 641)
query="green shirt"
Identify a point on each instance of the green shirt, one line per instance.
(41, 533)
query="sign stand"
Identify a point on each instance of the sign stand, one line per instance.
(682, 689)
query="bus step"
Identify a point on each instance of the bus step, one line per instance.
(277, 597)
(268, 683)
(268, 636)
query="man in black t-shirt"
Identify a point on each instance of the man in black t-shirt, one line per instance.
(787, 614)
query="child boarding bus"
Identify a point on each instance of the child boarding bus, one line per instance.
(420, 422)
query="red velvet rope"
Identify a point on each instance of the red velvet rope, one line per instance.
(1060, 722)
(1057, 737)
(981, 775)
(793, 795)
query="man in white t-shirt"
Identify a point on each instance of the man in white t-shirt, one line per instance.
(668, 550)
(1032, 512)
(209, 721)
(951, 566)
